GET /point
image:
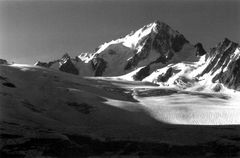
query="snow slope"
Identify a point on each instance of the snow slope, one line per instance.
(45, 112)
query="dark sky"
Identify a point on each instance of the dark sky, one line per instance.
(44, 30)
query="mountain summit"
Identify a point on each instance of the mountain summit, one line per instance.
(153, 46)
(160, 54)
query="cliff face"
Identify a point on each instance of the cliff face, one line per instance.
(98, 65)
(66, 65)
(220, 67)
(163, 40)
(223, 63)
(200, 50)
(3, 61)
(152, 47)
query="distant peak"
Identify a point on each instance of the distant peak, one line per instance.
(66, 56)
(226, 45)
(160, 27)
(200, 50)
(226, 42)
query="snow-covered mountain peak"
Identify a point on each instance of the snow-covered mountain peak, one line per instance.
(225, 48)
(132, 39)
(153, 45)
(85, 57)
(159, 26)
(65, 58)
(225, 44)
(136, 39)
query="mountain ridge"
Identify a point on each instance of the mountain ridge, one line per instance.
(156, 42)
(156, 46)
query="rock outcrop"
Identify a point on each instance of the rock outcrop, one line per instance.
(42, 64)
(223, 63)
(3, 62)
(221, 67)
(66, 65)
(163, 40)
(200, 50)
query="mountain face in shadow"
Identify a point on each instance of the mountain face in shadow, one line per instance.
(224, 64)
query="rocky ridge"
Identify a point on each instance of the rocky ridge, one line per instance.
(141, 54)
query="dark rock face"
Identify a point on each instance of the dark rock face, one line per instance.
(66, 65)
(200, 50)
(98, 65)
(166, 76)
(223, 59)
(184, 82)
(140, 75)
(162, 41)
(131, 62)
(46, 64)
(111, 52)
(42, 64)
(3, 61)
(230, 78)
(217, 88)
(178, 42)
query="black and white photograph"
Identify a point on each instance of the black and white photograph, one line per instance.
(120, 78)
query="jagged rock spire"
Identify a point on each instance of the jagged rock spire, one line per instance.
(200, 50)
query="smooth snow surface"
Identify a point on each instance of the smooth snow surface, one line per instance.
(180, 107)
(43, 103)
